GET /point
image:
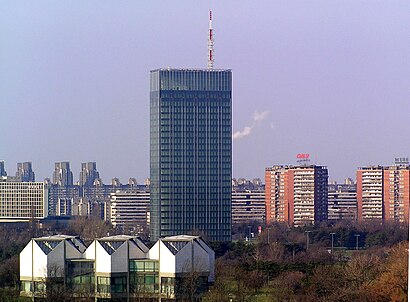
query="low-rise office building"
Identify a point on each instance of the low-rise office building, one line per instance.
(117, 267)
(46, 257)
(23, 201)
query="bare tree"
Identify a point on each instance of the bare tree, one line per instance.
(193, 281)
(362, 270)
(52, 286)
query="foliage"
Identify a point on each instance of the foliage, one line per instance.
(11, 295)
(276, 266)
(279, 267)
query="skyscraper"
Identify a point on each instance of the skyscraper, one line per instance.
(2, 169)
(62, 175)
(25, 172)
(296, 194)
(190, 152)
(88, 174)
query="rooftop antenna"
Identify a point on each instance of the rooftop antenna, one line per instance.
(210, 43)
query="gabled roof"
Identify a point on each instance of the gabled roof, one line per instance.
(175, 246)
(112, 243)
(176, 243)
(111, 246)
(56, 237)
(47, 246)
(180, 238)
(116, 238)
(49, 243)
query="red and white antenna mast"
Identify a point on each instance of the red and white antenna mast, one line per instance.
(210, 43)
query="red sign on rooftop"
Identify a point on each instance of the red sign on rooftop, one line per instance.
(303, 156)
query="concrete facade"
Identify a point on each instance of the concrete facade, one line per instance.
(23, 201)
(296, 194)
(117, 267)
(383, 193)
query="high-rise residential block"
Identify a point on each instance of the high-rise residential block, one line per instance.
(129, 210)
(62, 175)
(88, 174)
(370, 193)
(248, 206)
(25, 172)
(342, 201)
(383, 193)
(190, 152)
(296, 194)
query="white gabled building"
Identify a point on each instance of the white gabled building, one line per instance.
(119, 267)
(112, 257)
(46, 257)
(111, 254)
(184, 254)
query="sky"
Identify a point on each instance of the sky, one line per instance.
(327, 78)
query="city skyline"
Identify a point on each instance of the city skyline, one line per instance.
(329, 79)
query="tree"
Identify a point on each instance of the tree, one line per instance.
(325, 281)
(362, 270)
(52, 287)
(286, 286)
(392, 282)
(90, 228)
(9, 272)
(193, 281)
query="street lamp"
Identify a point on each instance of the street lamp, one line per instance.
(332, 234)
(307, 240)
(357, 241)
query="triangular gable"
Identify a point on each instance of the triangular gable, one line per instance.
(47, 245)
(175, 246)
(111, 246)
(136, 242)
(203, 245)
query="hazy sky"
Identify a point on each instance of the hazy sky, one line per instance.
(329, 78)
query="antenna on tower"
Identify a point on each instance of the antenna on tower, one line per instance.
(210, 43)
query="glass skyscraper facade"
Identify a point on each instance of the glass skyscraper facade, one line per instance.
(191, 152)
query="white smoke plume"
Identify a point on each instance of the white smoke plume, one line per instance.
(241, 134)
(258, 117)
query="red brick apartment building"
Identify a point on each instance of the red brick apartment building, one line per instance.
(383, 193)
(296, 194)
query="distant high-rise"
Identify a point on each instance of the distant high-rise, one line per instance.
(25, 172)
(296, 194)
(191, 157)
(62, 175)
(383, 193)
(2, 169)
(342, 201)
(88, 174)
(129, 210)
(248, 206)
